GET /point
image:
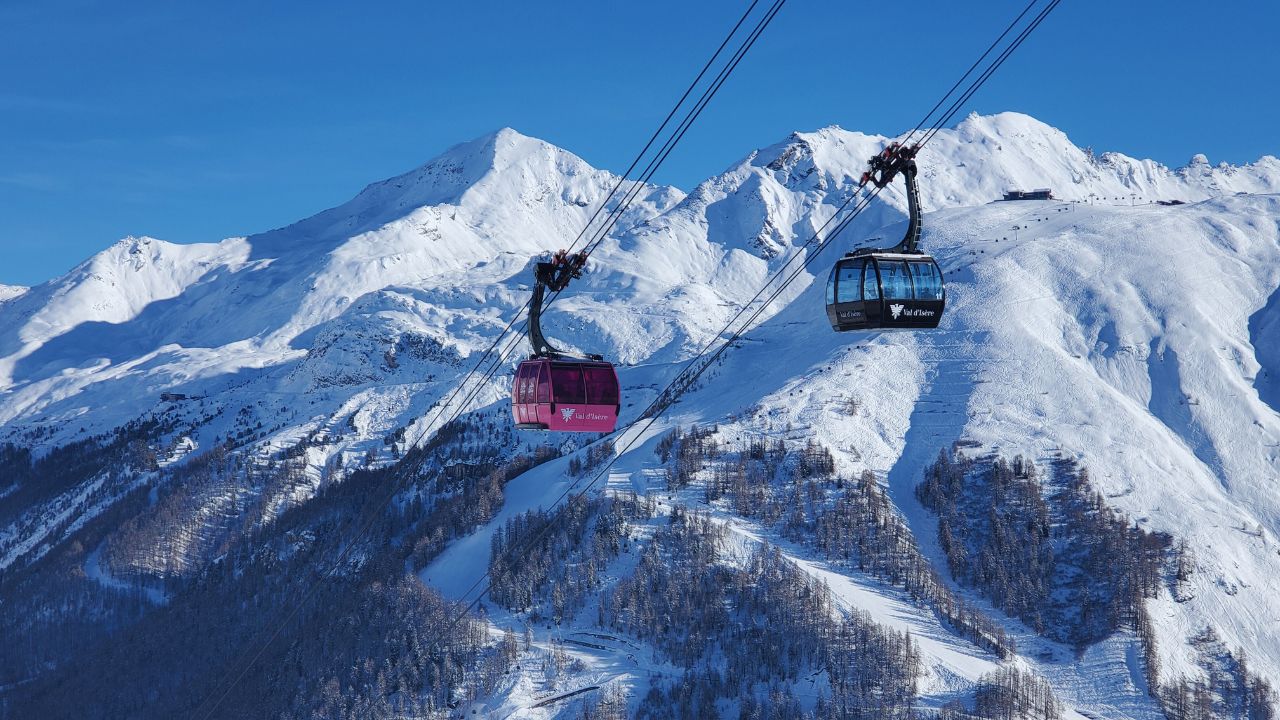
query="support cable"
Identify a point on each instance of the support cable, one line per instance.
(694, 369)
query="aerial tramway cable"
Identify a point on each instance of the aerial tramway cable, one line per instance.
(694, 369)
(554, 390)
(632, 193)
(370, 518)
(612, 218)
(638, 185)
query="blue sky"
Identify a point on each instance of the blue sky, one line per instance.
(196, 121)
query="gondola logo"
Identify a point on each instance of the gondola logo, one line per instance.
(899, 310)
(567, 413)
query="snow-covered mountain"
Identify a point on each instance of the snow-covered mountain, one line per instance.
(1135, 338)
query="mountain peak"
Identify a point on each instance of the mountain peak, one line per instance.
(505, 162)
(508, 134)
(9, 292)
(496, 150)
(134, 251)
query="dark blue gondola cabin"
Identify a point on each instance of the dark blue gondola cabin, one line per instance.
(885, 290)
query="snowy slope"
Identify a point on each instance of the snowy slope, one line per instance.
(8, 292)
(1119, 336)
(1135, 337)
(146, 316)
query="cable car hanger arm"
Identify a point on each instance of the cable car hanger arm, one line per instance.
(554, 275)
(899, 158)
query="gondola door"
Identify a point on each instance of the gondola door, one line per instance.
(542, 396)
(524, 394)
(853, 295)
